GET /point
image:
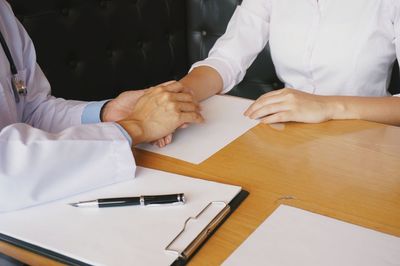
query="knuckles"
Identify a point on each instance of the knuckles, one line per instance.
(172, 106)
(158, 90)
(290, 96)
(189, 97)
(165, 96)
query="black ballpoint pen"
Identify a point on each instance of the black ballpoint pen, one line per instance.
(151, 200)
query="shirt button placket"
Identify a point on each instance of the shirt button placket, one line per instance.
(312, 42)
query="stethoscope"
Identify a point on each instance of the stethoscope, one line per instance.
(18, 86)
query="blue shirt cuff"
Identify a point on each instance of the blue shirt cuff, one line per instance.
(91, 113)
(125, 133)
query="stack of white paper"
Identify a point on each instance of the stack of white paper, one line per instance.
(292, 236)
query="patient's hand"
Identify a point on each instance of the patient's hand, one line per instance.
(290, 105)
(163, 141)
(166, 140)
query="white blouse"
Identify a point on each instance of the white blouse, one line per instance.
(326, 47)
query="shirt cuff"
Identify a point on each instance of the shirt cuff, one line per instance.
(126, 135)
(91, 113)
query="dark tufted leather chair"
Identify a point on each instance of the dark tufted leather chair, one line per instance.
(94, 49)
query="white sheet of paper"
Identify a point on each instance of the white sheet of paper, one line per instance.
(292, 236)
(224, 123)
(131, 235)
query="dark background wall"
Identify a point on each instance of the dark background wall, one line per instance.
(94, 49)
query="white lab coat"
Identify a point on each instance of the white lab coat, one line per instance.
(45, 152)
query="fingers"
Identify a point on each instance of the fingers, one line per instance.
(191, 117)
(163, 141)
(181, 101)
(171, 93)
(176, 86)
(183, 97)
(168, 139)
(181, 93)
(164, 88)
(266, 99)
(269, 109)
(173, 87)
(277, 118)
(187, 107)
(160, 143)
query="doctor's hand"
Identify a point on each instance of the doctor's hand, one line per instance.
(290, 105)
(121, 107)
(168, 139)
(159, 112)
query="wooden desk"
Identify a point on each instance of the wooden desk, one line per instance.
(348, 170)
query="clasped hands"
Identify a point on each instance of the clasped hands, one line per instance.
(153, 114)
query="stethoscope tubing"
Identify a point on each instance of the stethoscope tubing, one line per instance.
(14, 81)
(8, 55)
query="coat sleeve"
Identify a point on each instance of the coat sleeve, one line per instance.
(38, 167)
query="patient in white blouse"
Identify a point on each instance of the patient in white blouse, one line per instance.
(335, 58)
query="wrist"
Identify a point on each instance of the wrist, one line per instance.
(337, 108)
(103, 111)
(135, 131)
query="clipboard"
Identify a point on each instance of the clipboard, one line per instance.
(186, 254)
(219, 211)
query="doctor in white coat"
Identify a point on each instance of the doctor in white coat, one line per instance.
(52, 148)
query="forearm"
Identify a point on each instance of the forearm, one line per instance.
(204, 82)
(53, 114)
(377, 109)
(82, 158)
